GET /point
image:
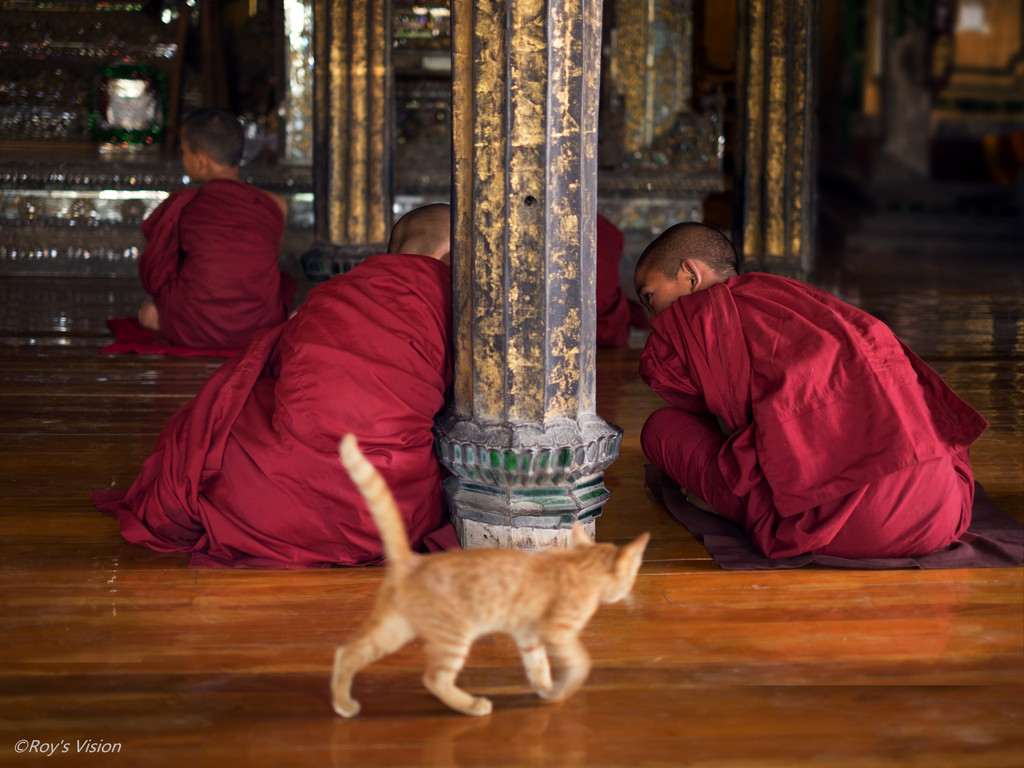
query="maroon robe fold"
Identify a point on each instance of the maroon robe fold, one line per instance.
(248, 475)
(211, 265)
(834, 423)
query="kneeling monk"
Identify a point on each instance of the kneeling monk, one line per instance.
(211, 256)
(794, 414)
(247, 474)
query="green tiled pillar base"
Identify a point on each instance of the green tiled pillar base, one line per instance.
(523, 487)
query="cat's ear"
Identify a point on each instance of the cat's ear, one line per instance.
(623, 573)
(629, 558)
(579, 536)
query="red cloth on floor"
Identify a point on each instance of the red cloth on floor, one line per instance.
(211, 265)
(613, 313)
(821, 401)
(132, 338)
(248, 474)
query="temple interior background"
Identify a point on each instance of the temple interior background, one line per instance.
(919, 112)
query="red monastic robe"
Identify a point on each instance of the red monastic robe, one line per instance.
(248, 474)
(822, 402)
(612, 306)
(211, 265)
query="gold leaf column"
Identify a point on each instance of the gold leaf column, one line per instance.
(522, 439)
(775, 179)
(352, 124)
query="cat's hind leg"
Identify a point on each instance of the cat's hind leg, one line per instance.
(444, 662)
(380, 636)
(572, 665)
(535, 662)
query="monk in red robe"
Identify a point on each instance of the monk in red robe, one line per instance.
(612, 305)
(615, 313)
(247, 474)
(794, 414)
(211, 256)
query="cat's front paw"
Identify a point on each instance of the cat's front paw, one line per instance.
(558, 692)
(479, 706)
(346, 707)
(551, 693)
(543, 687)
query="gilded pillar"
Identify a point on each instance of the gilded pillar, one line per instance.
(352, 125)
(522, 438)
(774, 180)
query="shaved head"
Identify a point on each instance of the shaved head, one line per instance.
(215, 132)
(689, 240)
(426, 231)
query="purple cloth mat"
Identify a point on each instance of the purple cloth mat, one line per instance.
(993, 539)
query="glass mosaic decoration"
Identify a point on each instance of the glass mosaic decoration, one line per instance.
(129, 105)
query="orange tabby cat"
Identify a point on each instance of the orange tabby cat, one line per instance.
(543, 599)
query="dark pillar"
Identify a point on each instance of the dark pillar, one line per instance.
(523, 440)
(775, 148)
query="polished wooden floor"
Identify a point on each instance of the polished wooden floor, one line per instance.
(112, 646)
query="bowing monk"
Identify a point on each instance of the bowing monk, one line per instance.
(247, 474)
(794, 414)
(211, 257)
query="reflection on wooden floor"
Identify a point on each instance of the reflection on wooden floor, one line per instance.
(111, 643)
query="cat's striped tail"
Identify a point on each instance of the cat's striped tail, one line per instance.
(379, 499)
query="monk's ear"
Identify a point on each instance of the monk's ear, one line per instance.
(203, 160)
(690, 271)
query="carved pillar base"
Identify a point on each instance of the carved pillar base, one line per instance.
(476, 534)
(523, 487)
